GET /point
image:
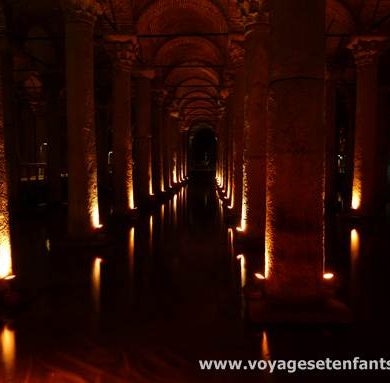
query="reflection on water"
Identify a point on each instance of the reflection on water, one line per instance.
(8, 350)
(96, 282)
(175, 209)
(265, 349)
(355, 244)
(151, 233)
(163, 299)
(243, 273)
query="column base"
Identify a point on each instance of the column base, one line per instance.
(10, 299)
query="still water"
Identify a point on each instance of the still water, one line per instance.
(168, 290)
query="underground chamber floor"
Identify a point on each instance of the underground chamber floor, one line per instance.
(166, 292)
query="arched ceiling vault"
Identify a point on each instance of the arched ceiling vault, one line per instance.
(187, 41)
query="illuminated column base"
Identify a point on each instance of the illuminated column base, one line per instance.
(5, 237)
(257, 70)
(83, 208)
(365, 201)
(122, 140)
(143, 143)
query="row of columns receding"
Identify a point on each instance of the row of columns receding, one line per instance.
(272, 159)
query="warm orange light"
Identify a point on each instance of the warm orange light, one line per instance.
(356, 191)
(130, 185)
(95, 217)
(151, 224)
(8, 348)
(267, 255)
(174, 170)
(259, 276)
(231, 240)
(244, 205)
(355, 243)
(328, 276)
(131, 242)
(355, 201)
(5, 254)
(162, 188)
(175, 209)
(96, 279)
(243, 270)
(265, 349)
(131, 199)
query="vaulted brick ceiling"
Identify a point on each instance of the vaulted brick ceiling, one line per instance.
(187, 41)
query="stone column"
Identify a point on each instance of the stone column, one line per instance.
(83, 208)
(257, 61)
(237, 55)
(172, 131)
(156, 146)
(331, 140)
(124, 51)
(165, 151)
(366, 50)
(295, 152)
(161, 134)
(143, 139)
(54, 142)
(5, 237)
(185, 152)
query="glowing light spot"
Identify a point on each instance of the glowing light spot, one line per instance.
(96, 280)
(328, 276)
(8, 348)
(47, 244)
(355, 243)
(162, 212)
(259, 276)
(355, 201)
(265, 349)
(243, 270)
(131, 199)
(356, 192)
(244, 206)
(151, 224)
(5, 255)
(95, 218)
(162, 187)
(131, 242)
(231, 240)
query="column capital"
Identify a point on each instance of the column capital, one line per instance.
(84, 11)
(149, 74)
(236, 55)
(160, 96)
(124, 50)
(2, 22)
(367, 49)
(174, 111)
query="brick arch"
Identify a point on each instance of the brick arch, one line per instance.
(179, 74)
(172, 15)
(189, 48)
